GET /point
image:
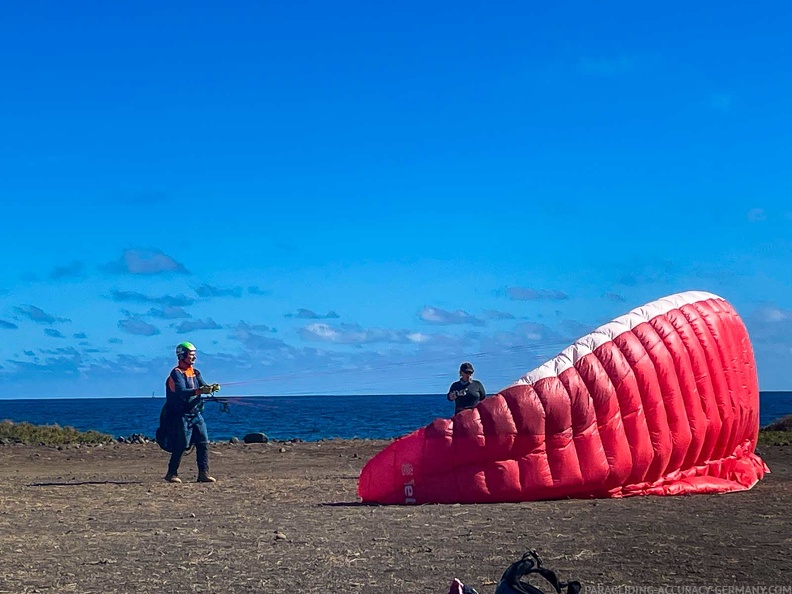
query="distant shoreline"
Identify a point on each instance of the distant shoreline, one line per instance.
(243, 396)
(402, 395)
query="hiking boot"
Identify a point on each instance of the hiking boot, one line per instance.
(172, 478)
(203, 477)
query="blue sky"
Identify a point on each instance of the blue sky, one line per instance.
(355, 197)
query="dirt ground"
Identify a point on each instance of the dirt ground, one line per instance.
(286, 518)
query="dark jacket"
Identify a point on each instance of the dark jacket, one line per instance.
(181, 415)
(468, 394)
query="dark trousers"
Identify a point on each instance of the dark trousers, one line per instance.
(201, 455)
(195, 434)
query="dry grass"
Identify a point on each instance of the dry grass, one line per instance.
(49, 435)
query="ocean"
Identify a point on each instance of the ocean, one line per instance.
(309, 418)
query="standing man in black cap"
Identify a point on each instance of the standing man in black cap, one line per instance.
(467, 392)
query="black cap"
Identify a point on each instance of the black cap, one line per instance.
(466, 367)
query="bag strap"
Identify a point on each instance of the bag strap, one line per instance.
(511, 583)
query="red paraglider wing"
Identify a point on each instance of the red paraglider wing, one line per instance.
(661, 401)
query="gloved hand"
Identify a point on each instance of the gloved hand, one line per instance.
(215, 387)
(205, 390)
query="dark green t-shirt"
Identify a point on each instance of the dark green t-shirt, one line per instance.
(469, 394)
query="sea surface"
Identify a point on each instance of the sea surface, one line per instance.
(309, 418)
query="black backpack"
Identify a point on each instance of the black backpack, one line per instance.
(165, 432)
(510, 582)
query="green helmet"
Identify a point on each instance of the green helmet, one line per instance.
(183, 349)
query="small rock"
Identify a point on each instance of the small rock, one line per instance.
(255, 438)
(281, 450)
(234, 440)
(280, 536)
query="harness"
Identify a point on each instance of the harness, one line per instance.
(223, 402)
(510, 582)
(164, 431)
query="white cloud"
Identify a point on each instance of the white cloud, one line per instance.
(356, 334)
(192, 325)
(166, 300)
(134, 325)
(145, 262)
(773, 314)
(209, 291)
(250, 338)
(39, 315)
(756, 215)
(307, 314)
(436, 315)
(494, 314)
(322, 332)
(528, 294)
(168, 312)
(769, 328)
(418, 337)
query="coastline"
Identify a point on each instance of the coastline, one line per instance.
(309, 418)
